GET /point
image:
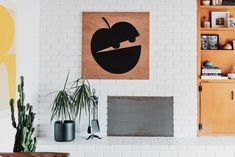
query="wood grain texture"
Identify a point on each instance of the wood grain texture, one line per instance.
(92, 21)
(218, 108)
(38, 154)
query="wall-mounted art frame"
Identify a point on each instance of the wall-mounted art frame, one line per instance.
(231, 22)
(115, 45)
(219, 19)
(209, 41)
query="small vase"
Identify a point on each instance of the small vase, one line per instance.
(220, 2)
(213, 2)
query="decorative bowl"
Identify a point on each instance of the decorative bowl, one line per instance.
(206, 2)
(208, 63)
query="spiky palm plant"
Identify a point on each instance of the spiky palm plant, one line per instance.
(62, 105)
(82, 97)
(70, 102)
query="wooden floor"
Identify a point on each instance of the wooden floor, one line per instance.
(38, 154)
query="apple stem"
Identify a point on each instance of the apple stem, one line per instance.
(106, 22)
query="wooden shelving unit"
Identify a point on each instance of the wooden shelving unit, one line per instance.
(217, 29)
(222, 52)
(211, 7)
(216, 98)
(218, 81)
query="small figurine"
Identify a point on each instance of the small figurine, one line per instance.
(228, 46)
(205, 22)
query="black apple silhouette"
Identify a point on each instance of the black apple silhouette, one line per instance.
(116, 61)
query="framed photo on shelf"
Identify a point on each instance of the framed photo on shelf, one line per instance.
(233, 44)
(231, 22)
(209, 41)
(219, 19)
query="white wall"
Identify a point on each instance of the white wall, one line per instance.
(27, 54)
(172, 57)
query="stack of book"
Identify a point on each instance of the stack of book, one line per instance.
(211, 73)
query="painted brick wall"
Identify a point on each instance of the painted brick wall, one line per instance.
(172, 57)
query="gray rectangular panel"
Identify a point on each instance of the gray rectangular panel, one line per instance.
(140, 116)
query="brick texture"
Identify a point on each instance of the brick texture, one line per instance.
(172, 58)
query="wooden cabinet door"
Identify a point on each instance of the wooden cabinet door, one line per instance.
(218, 108)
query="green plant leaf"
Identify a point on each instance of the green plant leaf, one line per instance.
(81, 97)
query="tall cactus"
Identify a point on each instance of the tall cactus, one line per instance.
(24, 140)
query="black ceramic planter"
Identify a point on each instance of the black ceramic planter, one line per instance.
(64, 132)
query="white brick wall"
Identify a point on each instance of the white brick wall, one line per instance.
(144, 147)
(172, 57)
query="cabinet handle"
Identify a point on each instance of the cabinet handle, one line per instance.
(232, 95)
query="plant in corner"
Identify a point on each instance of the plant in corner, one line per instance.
(24, 140)
(64, 127)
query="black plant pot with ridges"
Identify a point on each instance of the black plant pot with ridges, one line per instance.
(64, 132)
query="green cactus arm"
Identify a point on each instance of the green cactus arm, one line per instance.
(34, 143)
(24, 138)
(12, 113)
(27, 107)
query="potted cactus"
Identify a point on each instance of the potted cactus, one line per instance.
(24, 140)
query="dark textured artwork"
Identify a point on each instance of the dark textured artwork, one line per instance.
(209, 42)
(119, 60)
(228, 2)
(115, 45)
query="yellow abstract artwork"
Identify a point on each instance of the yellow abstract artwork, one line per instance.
(7, 58)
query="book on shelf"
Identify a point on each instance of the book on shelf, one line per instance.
(211, 74)
(211, 71)
(206, 67)
(214, 77)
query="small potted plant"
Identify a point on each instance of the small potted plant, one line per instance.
(67, 106)
(64, 127)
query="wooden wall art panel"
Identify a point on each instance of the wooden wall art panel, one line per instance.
(115, 45)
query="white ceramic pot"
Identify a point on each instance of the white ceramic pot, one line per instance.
(206, 2)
